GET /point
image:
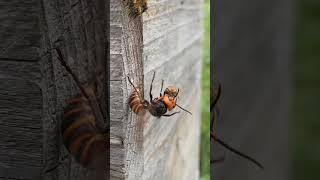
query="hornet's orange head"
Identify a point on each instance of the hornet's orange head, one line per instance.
(170, 101)
(171, 91)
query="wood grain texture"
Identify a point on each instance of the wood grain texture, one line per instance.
(172, 32)
(78, 28)
(34, 86)
(167, 39)
(21, 104)
(126, 59)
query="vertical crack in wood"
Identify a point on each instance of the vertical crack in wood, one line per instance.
(132, 47)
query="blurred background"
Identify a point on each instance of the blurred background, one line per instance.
(253, 59)
(205, 97)
(267, 58)
(306, 97)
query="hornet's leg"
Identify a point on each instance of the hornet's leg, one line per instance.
(135, 88)
(150, 93)
(167, 115)
(161, 87)
(213, 117)
(222, 143)
(132, 84)
(212, 107)
(218, 160)
(177, 93)
(213, 104)
(68, 69)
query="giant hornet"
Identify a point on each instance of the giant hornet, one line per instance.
(136, 7)
(83, 130)
(158, 106)
(213, 136)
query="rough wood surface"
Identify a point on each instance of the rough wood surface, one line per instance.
(125, 59)
(167, 39)
(20, 91)
(172, 32)
(78, 28)
(34, 86)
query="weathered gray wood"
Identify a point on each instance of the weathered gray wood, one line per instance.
(78, 28)
(126, 59)
(34, 86)
(20, 91)
(32, 145)
(171, 45)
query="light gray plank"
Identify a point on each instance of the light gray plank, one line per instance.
(126, 59)
(173, 48)
(252, 64)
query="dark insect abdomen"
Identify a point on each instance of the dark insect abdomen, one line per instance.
(81, 136)
(157, 108)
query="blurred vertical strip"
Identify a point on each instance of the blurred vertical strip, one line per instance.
(306, 103)
(205, 94)
(108, 74)
(253, 42)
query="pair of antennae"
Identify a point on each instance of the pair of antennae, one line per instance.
(180, 106)
(184, 109)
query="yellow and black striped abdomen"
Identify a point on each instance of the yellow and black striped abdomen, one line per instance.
(136, 103)
(83, 139)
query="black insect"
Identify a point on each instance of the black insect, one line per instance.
(215, 97)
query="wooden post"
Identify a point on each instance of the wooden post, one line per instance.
(34, 86)
(167, 39)
(21, 104)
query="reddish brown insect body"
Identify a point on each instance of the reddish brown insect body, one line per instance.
(82, 127)
(158, 106)
(137, 104)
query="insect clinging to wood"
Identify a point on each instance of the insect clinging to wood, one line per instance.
(136, 7)
(158, 106)
(215, 96)
(83, 129)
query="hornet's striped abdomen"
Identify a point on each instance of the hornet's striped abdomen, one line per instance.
(83, 139)
(136, 103)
